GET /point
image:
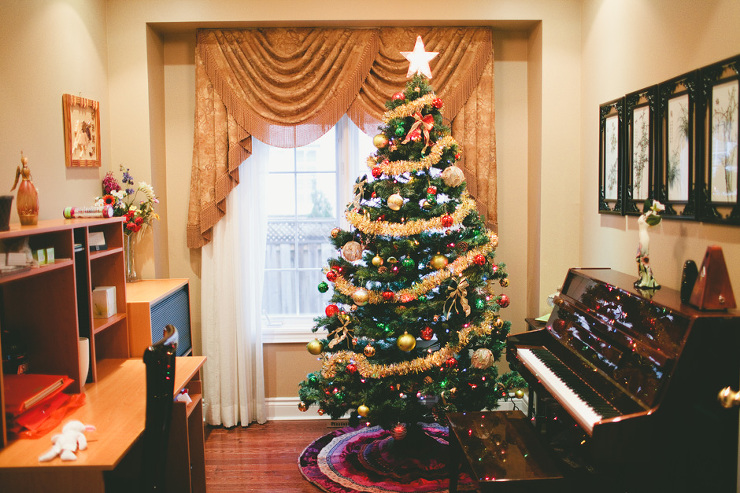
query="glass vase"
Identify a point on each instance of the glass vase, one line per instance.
(130, 254)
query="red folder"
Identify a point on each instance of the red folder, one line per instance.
(25, 390)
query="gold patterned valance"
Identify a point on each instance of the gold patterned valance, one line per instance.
(289, 86)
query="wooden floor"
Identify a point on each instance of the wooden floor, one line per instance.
(260, 458)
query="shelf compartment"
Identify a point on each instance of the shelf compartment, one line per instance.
(104, 253)
(36, 270)
(100, 324)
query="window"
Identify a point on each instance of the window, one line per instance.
(308, 189)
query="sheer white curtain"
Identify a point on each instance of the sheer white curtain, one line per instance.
(232, 275)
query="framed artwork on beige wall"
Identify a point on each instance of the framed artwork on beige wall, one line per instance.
(641, 113)
(720, 130)
(81, 119)
(611, 156)
(676, 176)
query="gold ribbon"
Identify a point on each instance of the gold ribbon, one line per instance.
(459, 295)
(422, 125)
(359, 190)
(341, 333)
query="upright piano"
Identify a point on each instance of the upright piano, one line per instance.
(624, 386)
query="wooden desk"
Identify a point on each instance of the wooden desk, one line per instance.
(116, 406)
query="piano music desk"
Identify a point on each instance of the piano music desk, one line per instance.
(503, 453)
(115, 405)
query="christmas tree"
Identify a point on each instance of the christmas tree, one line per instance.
(413, 329)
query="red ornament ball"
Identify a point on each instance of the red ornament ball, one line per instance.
(331, 275)
(351, 368)
(427, 333)
(437, 103)
(503, 301)
(331, 310)
(457, 156)
(377, 172)
(451, 363)
(447, 220)
(399, 96)
(479, 259)
(388, 295)
(432, 190)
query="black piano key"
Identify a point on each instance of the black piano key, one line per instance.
(572, 381)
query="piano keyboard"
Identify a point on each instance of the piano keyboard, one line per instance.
(581, 401)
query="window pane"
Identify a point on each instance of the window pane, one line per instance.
(281, 159)
(314, 247)
(280, 195)
(319, 155)
(281, 237)
(311, 301)
(317, 195)
(279, 295)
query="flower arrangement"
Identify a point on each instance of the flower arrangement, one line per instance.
(135, 204)
(651, 217)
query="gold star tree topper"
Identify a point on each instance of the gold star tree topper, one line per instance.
(419, 59)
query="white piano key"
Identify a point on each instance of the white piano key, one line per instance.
(576, 407)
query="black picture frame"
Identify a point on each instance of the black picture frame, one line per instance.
(719, 127)
(641, 115)
(611, 157)
(676, 172)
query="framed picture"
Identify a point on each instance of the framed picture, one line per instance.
(81, 118)
(611, 124)
(640, 115)
(676, 174)
(720, 131)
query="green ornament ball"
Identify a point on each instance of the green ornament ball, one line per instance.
(408, 263)
(400, 131)
(422, 298)
(480, 304)
(323, 287)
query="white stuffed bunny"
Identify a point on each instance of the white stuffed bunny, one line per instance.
(65, 444)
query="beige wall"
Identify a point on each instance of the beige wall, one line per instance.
(665, 38)
(50, 49)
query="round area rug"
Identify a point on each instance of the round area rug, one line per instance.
(368, 459)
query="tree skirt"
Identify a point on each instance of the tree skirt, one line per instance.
(368, 459)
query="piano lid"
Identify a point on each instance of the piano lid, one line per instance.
(632, 337)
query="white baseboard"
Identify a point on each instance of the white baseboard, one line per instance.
(286, 408)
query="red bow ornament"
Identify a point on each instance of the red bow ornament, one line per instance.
(422, 124)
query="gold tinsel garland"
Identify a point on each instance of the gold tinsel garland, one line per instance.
(409, 108)
(400, 167)
(363, 223)
(418, 365)
(430, 282)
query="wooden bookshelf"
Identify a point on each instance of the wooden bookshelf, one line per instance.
(50, 306)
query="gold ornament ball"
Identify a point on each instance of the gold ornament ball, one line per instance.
(369, 351)
(302, 407)
(406, 342)
(482, 358)
(352, 251)
(395, 202)
(335, 232)
(453, 176)
(380, 141)
(499, 323)
(360, 296)
(504, 282)
(519, 393)
(439, 261)
(362, 410)
(377, 261)
(315, 347)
